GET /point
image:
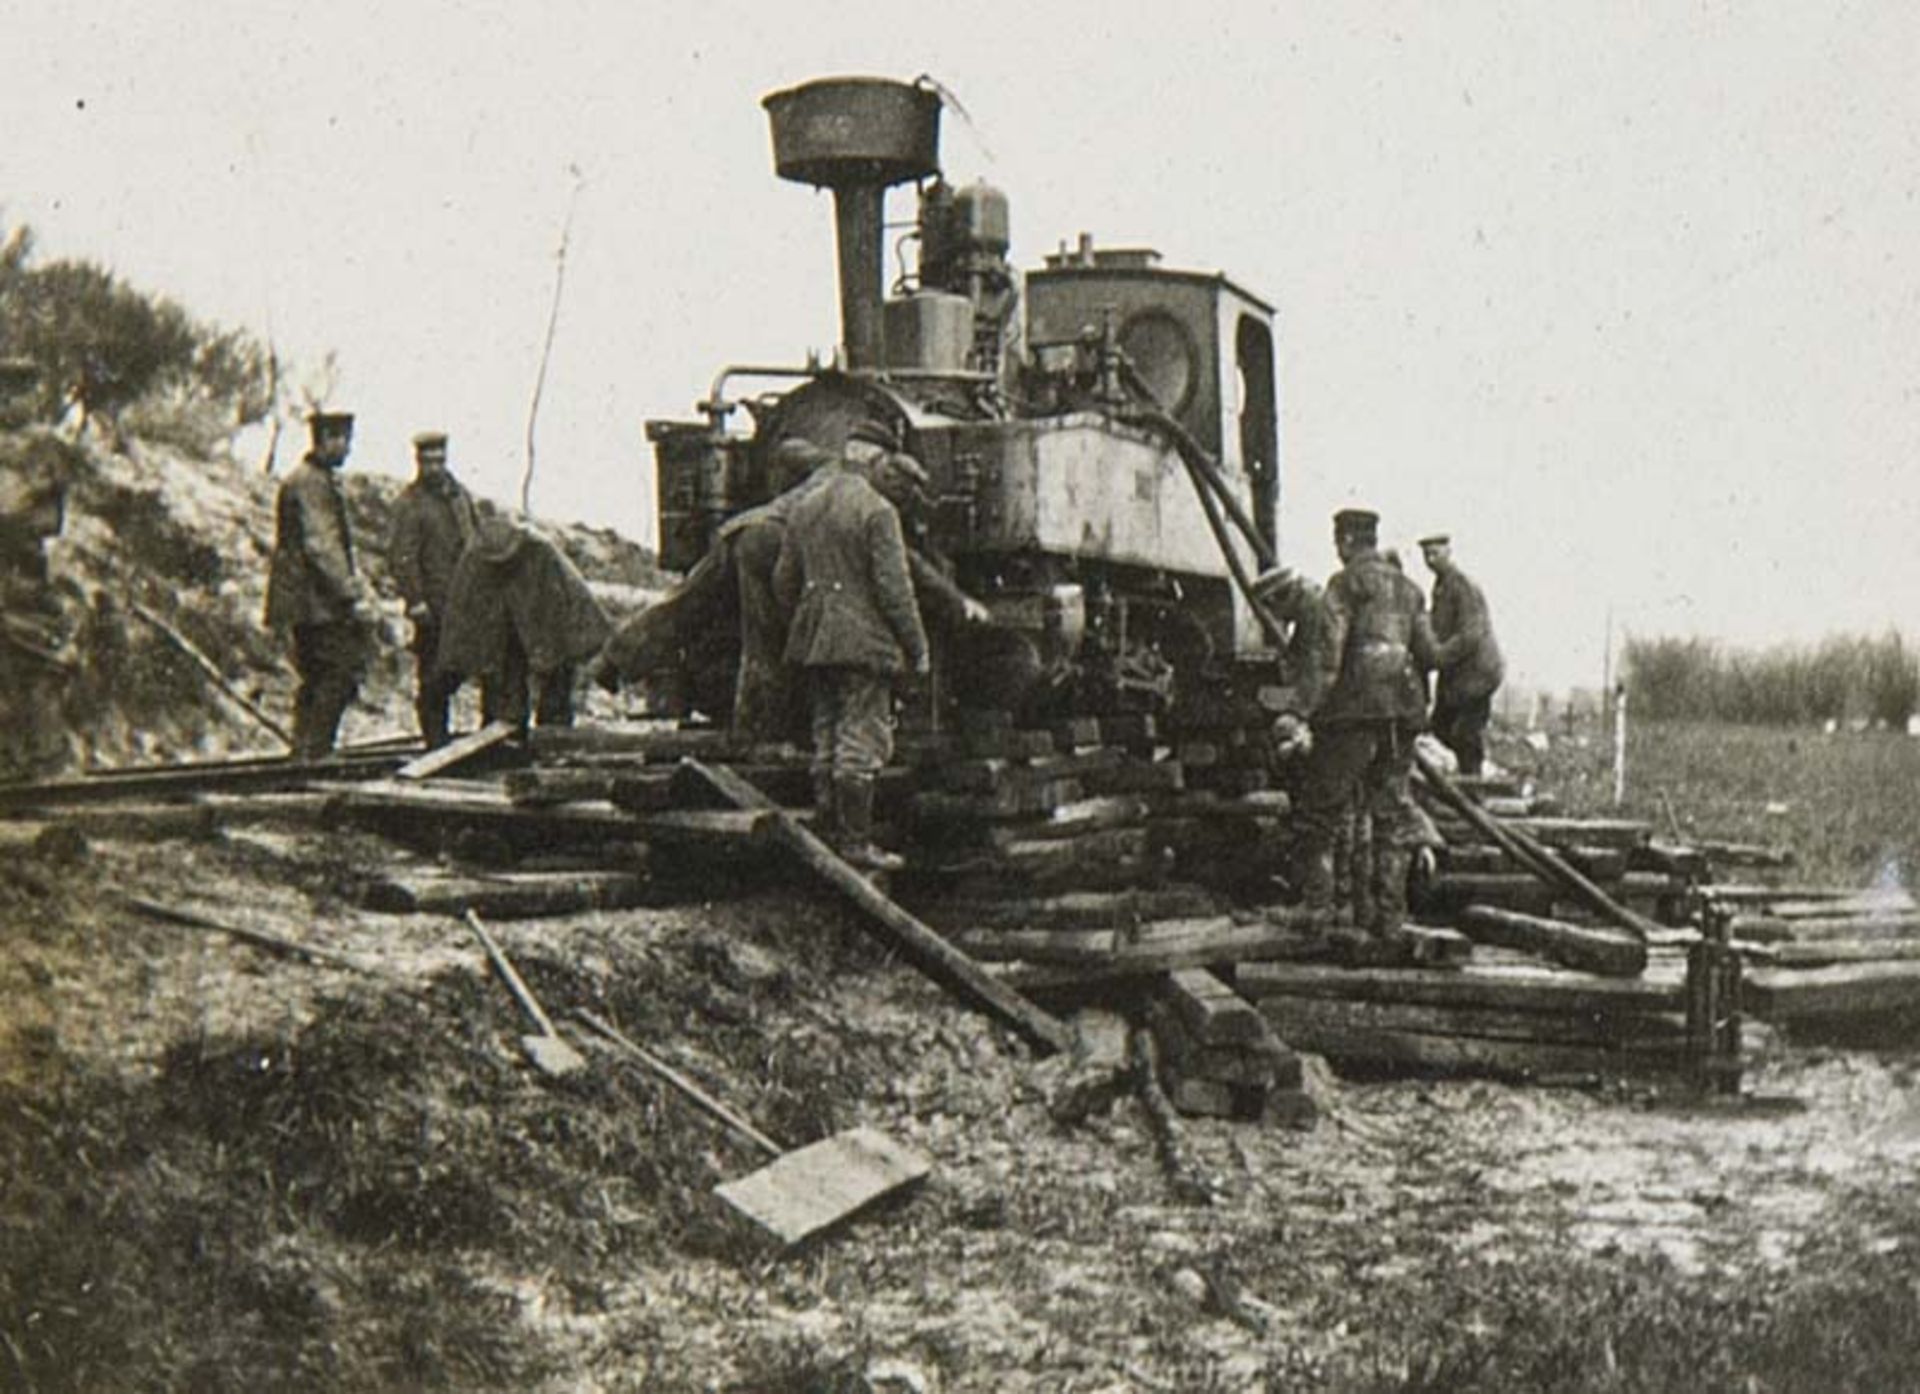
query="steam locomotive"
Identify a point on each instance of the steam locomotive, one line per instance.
(1101, 432)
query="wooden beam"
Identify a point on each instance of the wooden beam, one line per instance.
(1509, 986)
(455, 752)
(936, 957)
(1855, 989)
(1592, 950)
(1295, 1016)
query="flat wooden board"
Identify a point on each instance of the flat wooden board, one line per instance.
(1503, 985)
(812, 1188)
(1788, 994)
(454, 752)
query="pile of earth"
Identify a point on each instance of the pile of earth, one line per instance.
(158, 540)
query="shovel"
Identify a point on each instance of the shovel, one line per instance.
(801, 1193)
(552, 1056)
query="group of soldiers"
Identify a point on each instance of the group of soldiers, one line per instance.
(830, 598)
(1360, 652)
(833, 606)
(487, 597)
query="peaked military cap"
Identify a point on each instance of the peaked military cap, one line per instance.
(322, 423)
(1351, 520)
(430, 440)
(1437, 539)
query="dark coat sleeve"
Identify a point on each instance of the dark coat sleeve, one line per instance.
(893, 583)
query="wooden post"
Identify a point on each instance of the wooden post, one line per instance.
(1620, 745)
(939, 959)
(1713, 1004)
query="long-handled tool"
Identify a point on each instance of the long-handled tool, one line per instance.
(551, 1055)
(799, 1194)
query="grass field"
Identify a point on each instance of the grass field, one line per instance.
(1847, 805)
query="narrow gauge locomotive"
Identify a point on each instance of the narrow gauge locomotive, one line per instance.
(1101, 433)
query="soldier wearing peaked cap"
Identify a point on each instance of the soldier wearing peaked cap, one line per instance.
(1468, 657)
(433, 521)
(1378, 646)
(314, 590)
(844, 575)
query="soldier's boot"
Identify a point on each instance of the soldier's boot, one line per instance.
(431, 709)
(856, 825)
(1391, 866)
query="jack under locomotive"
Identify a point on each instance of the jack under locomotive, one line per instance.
(1101, 433)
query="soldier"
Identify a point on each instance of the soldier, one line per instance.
(1378, 644)
(433, 521)
(1468, 657)
(313, 589)
(843, 574)
(521, 618)
(763, 697)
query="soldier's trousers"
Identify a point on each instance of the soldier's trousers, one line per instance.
(764, 708)
(1460, 723)
(852, 720)
(433, 685)
(1368, 759)
(509, 694)
(329, 658)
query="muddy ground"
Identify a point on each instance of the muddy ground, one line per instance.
(228, 1170)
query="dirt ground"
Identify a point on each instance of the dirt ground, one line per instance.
(231, 1170)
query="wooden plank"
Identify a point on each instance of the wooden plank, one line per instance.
(1521, 1060)
(1291, 1016)
(455, 752)
(1512, 986)
(230, 776)
(479, 802)
(1829, 951)
(1856, 989)
(1211, 1012)
(1158, 946)
(807, 1191)
(543, 788)
(933, 954)
(1592, 950)
(1866, 905)
(1768, 928)
(652, 741)
(1078, 909)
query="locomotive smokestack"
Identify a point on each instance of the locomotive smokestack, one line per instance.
(856, 136)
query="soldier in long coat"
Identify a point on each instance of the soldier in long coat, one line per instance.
(433, 521)
(843, 574)
(1469, 659)
(1378, 645)
(313, 590)
(521, 618)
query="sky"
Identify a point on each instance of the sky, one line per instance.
(1624, 296)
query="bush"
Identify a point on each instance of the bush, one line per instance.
(1844, 676)
(103, 346)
